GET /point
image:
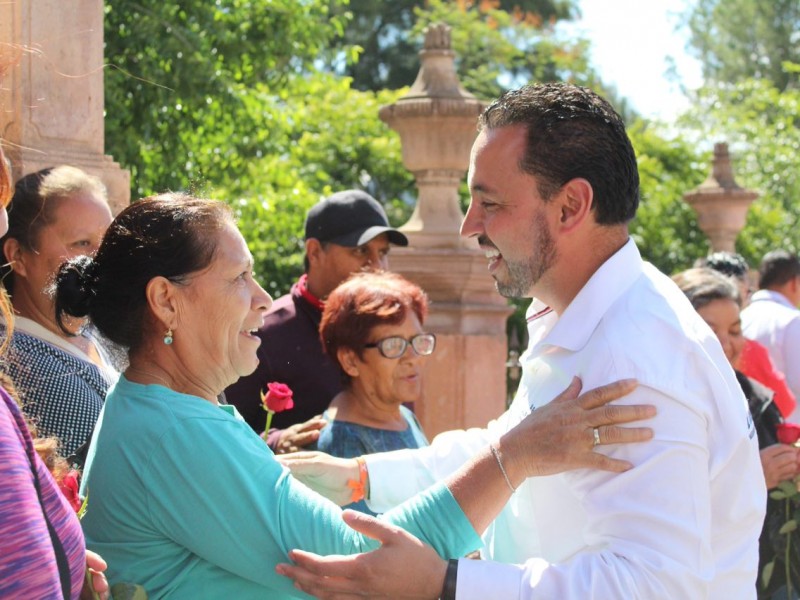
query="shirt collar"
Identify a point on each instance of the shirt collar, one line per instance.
(773, 296)
(302, 289)
(572, 329)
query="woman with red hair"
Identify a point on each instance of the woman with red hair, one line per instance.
(372, 327)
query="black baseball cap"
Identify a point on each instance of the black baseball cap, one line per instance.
(350, 218)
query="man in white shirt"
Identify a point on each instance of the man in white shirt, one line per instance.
(554, 183)
(772, 317)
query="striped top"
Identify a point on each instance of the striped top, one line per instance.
(27, 560)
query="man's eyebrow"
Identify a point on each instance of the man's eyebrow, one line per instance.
(480, 187)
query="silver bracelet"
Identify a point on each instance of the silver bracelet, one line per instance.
(502, 470)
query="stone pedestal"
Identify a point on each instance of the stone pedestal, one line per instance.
(721, 205)
(51, 99)
(465, 382)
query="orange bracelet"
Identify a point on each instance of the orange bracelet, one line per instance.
(359, 486)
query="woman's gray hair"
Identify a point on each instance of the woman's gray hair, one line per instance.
(703, 285)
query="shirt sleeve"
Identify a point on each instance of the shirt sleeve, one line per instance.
(648, 530)
(396, 476)
(791, 350)
(252, 511)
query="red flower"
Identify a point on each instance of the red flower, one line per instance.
(278, 397)
(788, 433)
(69, 487)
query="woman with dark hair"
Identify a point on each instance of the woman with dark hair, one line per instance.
(61, 374)
(42, 549)
(184, 498)
(372, 327)
(716, 298)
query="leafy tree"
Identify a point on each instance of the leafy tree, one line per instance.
(387, 34)
(760, 123)
(738, 39)
(184, 68)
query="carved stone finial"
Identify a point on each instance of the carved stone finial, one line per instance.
(437, 37)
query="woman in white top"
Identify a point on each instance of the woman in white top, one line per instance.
(61, 376)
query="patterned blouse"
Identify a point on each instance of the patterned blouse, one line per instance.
(61, 393)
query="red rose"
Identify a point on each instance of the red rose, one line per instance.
(788, 433)
(278, 397)
(69, 487)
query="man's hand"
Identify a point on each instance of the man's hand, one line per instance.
(95, 584)
(559, 436)
(323, 473)
(779, 462)
(403, 567)
(300, 435)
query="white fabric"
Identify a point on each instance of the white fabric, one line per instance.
(773, 321)
(684, 523)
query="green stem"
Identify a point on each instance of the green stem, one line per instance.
(269, 420)
(89, 582)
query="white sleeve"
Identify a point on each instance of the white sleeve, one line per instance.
(648, 530)
(791, 350)
(396, 476)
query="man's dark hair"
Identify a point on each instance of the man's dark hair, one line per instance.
(727, 263)
(572, 132)
(778, 267)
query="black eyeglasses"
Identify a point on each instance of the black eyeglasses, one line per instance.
(395, 346)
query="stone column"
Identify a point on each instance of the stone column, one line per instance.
(721, 205)
(465, 380)
(51, 99)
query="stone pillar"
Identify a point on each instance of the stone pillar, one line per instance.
(721, 205)
(51, 99)
(465, 382)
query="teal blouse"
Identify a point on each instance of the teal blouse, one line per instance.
(186, 500)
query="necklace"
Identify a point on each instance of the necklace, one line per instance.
(148, 374)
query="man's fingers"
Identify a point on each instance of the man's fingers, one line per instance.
(606, 393)
(313, 424)
(370, 526)
(611, 415)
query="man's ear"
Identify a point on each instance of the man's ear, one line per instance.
(314, 251)
(575, 199)
(15, 257)
(348, 360)
(163, 301)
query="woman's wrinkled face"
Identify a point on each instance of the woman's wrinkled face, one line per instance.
(391, 380)
(723, 317)
(219, 311)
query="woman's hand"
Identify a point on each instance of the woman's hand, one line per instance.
(323, 473)
(95, 584)
(559, 436)
(780, 462)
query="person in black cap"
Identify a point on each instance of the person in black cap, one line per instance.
(344, 233)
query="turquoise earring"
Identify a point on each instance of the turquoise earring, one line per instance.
(168, 337)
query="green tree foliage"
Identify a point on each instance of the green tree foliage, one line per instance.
(739, 39)
(665, 227)
(387, 34)
(182, 73)
(760, 123)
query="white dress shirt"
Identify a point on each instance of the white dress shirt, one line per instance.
(773, 321)
(683, 523)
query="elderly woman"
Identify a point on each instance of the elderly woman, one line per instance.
(61, 377)
(372, 327)
(716, 298)
(184, 498)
